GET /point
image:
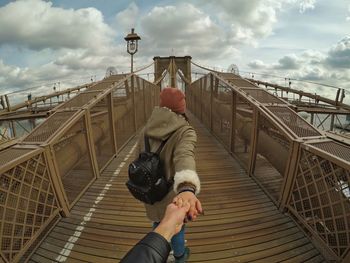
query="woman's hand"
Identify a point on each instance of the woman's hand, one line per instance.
(173, 219)
(195, 204)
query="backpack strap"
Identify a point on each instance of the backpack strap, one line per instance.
(161, 146)
(148, 147)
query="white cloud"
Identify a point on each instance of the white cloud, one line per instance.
(78, 42)
(288, 62)
(127, 18)
(248, 21)
(13, 74)
(332, 67)
(82, 59)
(40, 80)
(38, 25)
(348, 18)
(306, 5)
(339, 54)
(257, 64)
(184, 29)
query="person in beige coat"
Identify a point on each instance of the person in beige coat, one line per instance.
(169, 122)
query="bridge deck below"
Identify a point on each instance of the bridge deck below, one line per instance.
(240, 224)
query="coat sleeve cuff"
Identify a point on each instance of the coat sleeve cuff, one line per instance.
(187, 176)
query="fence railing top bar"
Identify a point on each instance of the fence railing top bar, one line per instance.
(256, 87)
(70, 113)
(269, 114)
(283, 128)
(63, 128)
(337, 148)
(286, 131)
(235, 78)
(98, 99)
(282, 112)
(90, 92)
(265, 96)
(14, 155)
(235, 88)
(239, 91)
(79, 100)
(268, 104)
(338, 137)
(249, 88)
(332, 156)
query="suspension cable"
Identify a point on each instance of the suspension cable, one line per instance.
(204, 67)
(144, 67)
(183, 77)
(165, 72)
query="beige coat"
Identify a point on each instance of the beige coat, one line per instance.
(177, 154)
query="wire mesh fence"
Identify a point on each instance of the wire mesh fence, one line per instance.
(55, 163)
(300, 169)
(102, 132)
(320, 199)
(271, 160)
(27, 200)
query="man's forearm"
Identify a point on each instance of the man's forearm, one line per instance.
(153, 248)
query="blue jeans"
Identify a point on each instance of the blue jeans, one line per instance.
(177, 241)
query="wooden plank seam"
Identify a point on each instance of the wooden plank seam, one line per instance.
(67, 249)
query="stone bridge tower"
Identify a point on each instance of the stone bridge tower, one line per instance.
(172, 64)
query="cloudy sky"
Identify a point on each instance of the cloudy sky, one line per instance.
(69, 41)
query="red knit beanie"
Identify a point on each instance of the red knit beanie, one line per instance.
(173, 99)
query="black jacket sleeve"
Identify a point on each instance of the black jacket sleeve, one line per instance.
(153, 248)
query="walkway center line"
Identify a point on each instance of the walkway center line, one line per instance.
(67, 249)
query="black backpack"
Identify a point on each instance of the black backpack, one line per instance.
(147, 181)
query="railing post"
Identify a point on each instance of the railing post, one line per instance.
(289, 175)
(13, 128)
(112, 120)
(253, 141)
(201, 98)
(7, 103)
(332, 122)
(233, 120)
(211, 100)
(56, 181)
(144, 101)
(90, 143)
(133, 100)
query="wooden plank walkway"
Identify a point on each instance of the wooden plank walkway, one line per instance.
(240, 224)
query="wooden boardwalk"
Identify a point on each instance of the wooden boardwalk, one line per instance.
(240, 224)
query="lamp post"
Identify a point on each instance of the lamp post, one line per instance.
(132, 45)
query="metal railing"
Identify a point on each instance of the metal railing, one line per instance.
(302, 170)
(44, 175)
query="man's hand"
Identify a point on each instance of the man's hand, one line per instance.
(195, 204)
(173, 219)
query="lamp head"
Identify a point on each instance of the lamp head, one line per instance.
(132, 42)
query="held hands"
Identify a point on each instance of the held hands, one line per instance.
(195, 204)
(173, 219)
(184, 204)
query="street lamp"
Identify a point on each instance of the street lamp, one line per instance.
(132, 45)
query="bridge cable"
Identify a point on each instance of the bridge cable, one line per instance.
(144, 67)
(156, 82)
(208, 69)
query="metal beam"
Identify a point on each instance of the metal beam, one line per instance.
(302, 93)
